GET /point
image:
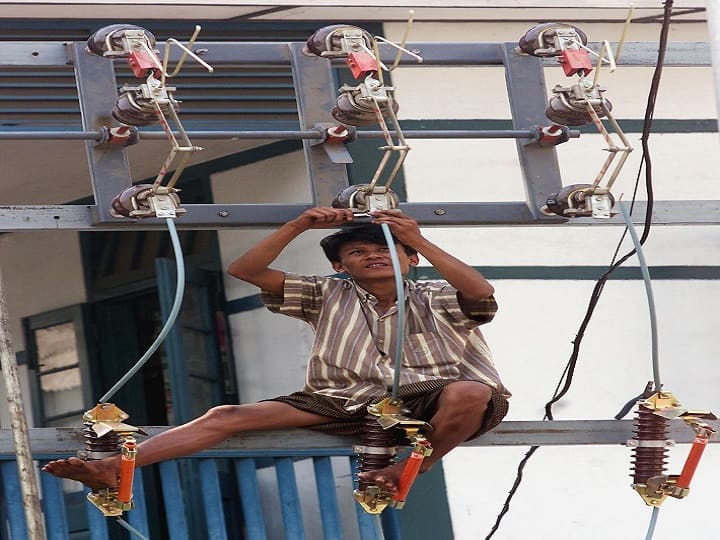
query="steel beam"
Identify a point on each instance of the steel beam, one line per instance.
(528, 100)
(310, 134)
(97, 90)
(316, 94)
(49, 443)
(255, 216)
(54, 54)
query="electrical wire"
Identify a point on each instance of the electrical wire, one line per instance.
(400, 288)
(172, 316)
(650, 297)
(653, 522)
(653, 328)
(566, 378)
(132, 529)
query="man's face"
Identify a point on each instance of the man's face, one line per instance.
(366, 260)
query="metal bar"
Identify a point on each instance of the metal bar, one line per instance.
(178, 376)
(528, 98)
(54, 507)
(247, 482)
(390, 521)
(255, 216)
(51, 443)
(97, 90)
(13, 505)
(368, 524)
(289, 499)
(713, 22)
(53, 54)
(327, 498)
(175, 517)
(212, 500)
(18, 421)
(310, 134)
(315, 92)
(138, 517)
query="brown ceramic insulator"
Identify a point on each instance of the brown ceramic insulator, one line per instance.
(109, 38)
(373, 435)
(107, 443)
(648, 461)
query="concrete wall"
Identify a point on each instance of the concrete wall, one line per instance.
(41, 271)
(575, 492)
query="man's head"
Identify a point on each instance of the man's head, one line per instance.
(369, 232)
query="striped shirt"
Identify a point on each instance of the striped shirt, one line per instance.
(347, 360)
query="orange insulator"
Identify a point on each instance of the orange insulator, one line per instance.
(688, 470)
(127, 472)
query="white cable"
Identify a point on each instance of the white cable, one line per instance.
(400, 308)
(179, 291)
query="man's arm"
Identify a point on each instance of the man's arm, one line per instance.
(470, 283)
(253, 266)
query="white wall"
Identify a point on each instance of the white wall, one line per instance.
(572, 492)
(41, 271)
(575, 492)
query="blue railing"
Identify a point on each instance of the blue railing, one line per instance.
(287, 512)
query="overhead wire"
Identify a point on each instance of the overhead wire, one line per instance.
(653, 329)
(566, 378)
(400, 291)
(170, 321)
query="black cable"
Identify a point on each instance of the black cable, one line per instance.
(566, 378)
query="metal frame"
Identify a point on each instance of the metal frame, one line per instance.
(53, 443)
(315, 91)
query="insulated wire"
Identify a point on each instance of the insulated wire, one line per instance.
(653, 522)
(400, 308)
(653, 328)
(132, 529)
(600, 284)
(179, 291)
(650, 297)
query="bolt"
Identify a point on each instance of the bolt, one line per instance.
(439, 212)
(223, 213)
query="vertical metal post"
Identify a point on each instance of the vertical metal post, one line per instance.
(528, 100)
(97, 90)
(18, 424)
(316, 93)
(713, 21)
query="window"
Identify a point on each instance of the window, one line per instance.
(57, 353)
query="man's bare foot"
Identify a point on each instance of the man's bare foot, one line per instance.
(387, 479)
(95, 474)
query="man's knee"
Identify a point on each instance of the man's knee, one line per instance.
(223, 417)
(466, 395)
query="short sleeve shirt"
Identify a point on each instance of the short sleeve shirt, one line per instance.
(351, 356)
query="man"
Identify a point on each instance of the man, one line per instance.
(447, 376)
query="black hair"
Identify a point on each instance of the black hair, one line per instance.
(368, 232)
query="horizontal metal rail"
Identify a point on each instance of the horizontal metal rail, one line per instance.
(256, 216)
(47, 53)
(50, 443)
(279, 134)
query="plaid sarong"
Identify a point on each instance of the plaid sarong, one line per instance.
(421, 398)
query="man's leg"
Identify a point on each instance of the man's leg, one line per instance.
(460, 414)
(216, 425)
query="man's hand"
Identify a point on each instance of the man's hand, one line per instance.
(405, 228)
(470, 283)
(323, 216)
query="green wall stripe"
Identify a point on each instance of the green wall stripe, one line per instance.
(667, 125)
(573, 273)
(582, 273)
